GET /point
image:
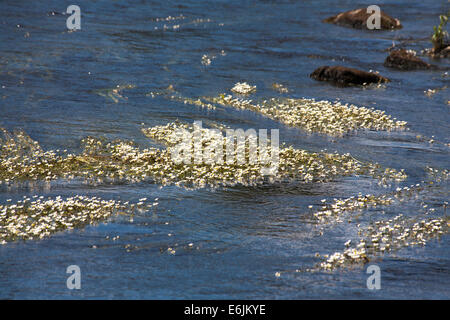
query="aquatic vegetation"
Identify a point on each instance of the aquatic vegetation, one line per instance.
(243, 88)
(23, 160)
(170, 18)
(279, 87)
(294, 164)
(386, 236)
(439, 34)
(333, 119)
(431, 92)
(208, 58)
(325, 117)
(196, 102)
(171, 94)
(335, 211)
(167, 91)
(437, 175)
(37, 217)
(175, 27)
(114, 93)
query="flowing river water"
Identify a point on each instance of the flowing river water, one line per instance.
(236, 242)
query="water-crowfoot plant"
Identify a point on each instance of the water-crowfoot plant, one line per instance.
(324, 117)
(386, 236)
(294, 164)
(37, 217)
(279, 88)
(338, 209)
(243, 88)
(101, 161)
(115, 94)
(334, 119)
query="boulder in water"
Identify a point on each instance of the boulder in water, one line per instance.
(405, 60)
(358, 19)
(346, 76)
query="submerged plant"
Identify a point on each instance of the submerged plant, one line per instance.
(325, 117)
(280, 88)
(334, 119)
(37, 217)
(386, 236)
(101, 161)
(335, 211)
(114, 93)
(294, 164)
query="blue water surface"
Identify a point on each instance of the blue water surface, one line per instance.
(240, 237)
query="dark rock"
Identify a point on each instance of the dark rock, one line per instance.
(443, 53)
(346, 76)
(404, 60)
(358, 19)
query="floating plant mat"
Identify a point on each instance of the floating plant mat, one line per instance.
(325, 117)
(171, 94)
(293, 164)
(115, 94)
(385, 236)
(38, 217)
(339, 208)
(22, 160)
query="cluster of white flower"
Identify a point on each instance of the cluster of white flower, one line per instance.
(325, 117)
(207, 58)
(170, 18)
(175, 27)
(386, 236)
(294, 164)
(333, 119)
(335, 211)
(38, 217)
(23, 158)
(103, 161)
(243, 88)
(383, 236)
(438, 175)
(171, 94)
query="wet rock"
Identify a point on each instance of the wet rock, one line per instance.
(358, 19)
(443, 53)
(346, 76)
(405, 60)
